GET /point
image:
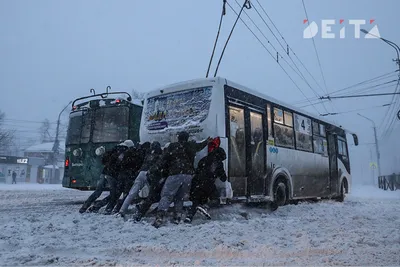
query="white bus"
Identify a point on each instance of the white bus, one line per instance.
(276, 152)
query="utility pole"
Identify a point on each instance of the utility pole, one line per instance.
(378, 154)
(57, 144)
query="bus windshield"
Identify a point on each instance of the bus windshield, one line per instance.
(78, 128)
(178, 110)
(111, 124)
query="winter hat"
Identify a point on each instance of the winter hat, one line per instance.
(129, 143)
(214, 144)
(156, 147)
(183, 136)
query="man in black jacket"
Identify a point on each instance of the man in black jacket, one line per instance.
(127, 164)
(156, 176)
(203, 184)
(179, 160)
(150, 159)
(110, 169)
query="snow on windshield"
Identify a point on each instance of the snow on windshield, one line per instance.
(178, 110)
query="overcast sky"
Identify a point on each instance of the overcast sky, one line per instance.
(54, 51)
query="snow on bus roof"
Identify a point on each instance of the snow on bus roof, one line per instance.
(220, 80)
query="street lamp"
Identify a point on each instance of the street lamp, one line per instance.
(395, 46)
(378, 155)
(56, 142)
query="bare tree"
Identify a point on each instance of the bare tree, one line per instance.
(137, 95)
(44, 131)
(6, 135)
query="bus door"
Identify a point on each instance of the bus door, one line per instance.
(237, 151)
(333, 162)
(256, 154)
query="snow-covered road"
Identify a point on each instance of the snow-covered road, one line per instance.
(40, 225)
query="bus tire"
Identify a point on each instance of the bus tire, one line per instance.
(341, 196)
(280, 196)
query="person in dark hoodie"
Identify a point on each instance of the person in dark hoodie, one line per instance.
(132, 159)
(108, 159)
(203, 183)
(156, 176)
(117, 181)
(150, 159)
(180, 160)
(130, 168)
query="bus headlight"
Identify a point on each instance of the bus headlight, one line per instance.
(77, 152)
(100, 151)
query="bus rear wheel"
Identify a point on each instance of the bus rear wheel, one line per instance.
(280, 196)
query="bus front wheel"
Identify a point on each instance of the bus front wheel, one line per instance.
(341, 196)
(280, 196)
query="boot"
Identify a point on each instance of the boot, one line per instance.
(94, 209)
(177, 218)
(159, 219)
(204, 211)
(188, 219)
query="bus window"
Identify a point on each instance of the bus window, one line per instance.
(283, 134)
(237, 151)
(269, 122)
(303, 133)
(111, 124)
(278, 115)
(320, 143)
(288, 119)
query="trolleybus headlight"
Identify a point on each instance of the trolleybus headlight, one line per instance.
(100, 151)
(77, 152)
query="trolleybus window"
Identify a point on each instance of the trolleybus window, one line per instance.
(283, 134)
(302, 126)
(111, 124)
(78, 128)
(320, 143)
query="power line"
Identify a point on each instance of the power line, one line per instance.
(272, 56)
(351, 96)
(355, 110)
(372, 80)
(286, 51)
(315, 48)
(391, 113)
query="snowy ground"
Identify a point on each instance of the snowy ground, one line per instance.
(40, 225)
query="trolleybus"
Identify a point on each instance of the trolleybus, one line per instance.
(97, 123)
(276, 152)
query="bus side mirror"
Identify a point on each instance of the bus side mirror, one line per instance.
(355, 138)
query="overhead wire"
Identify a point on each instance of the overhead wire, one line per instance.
(372, 80)
(269, 52)
(315, 48)
(285, 50)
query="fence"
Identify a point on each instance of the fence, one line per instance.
(391, 182)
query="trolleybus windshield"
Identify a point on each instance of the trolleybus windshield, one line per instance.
(111, 124)
(78, 128)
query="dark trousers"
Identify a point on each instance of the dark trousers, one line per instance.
(101, 184)
(14, 180)
(118, 186)
(153, 197)
(200, 194)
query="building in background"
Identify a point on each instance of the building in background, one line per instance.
(11, 164)
(40, 168)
